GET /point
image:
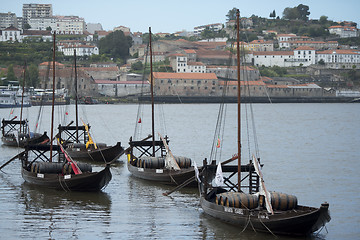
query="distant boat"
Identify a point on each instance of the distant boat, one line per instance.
(16, 133)
(165, 168)
(10, 97)
(249, 205)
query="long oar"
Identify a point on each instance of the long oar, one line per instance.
(180, 186)
(12, 159)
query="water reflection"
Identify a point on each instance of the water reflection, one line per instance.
(56, 211)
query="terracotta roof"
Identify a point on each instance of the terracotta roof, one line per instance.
(99, 69)
(277, 53)
(167, 75)
(243, 83)
(305, 48)
(189, 51)
(51, 63)
(11, 28)
(120, 82)
(339, 51)
(196, 63)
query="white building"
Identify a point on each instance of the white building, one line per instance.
(69, 25)
(36, 10)
(81, 50)
(7, 20)
(344, 31)
(11, 34)
(42, 23)
(302, 56)
(214, 27)
(182, 65)
(339, 58)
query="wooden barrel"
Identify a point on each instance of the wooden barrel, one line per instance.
(183, 162)
(238, 200)
(152, 162)
(282, 201)
(84, 167)
(49, 167)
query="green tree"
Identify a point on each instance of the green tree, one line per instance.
(10, 74)
(323, 20)
(273, 14)
(115, 45)
(48, 28)
(231, 14)
(290, 13)
(32, 79)
(303, 12)
(26, 26)
(137, 66)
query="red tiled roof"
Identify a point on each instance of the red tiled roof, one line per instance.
(243, 83)
(304, 48)
(339, 51)
(277, 53)
(98, 81)
(167, 75)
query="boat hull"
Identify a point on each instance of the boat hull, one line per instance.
(163, 175)
(88, 181)
(101, 155)
(299, 222)
(10, 140)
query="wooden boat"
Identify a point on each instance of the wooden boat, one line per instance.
(59, 175)
(256, 209)
(77, 147)
(42, 169)
(154, 160)
(15, 133)
(79, 144)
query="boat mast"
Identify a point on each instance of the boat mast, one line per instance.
(76, 100)
(152, 96)
(22, 96)
(239, 97)
(53, 102)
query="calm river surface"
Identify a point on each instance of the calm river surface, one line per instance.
(308, 150)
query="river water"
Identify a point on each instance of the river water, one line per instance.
(309, 150)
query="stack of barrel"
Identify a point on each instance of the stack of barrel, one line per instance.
(159, 162)
(57, 167)
(279, 201)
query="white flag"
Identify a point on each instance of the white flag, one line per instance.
(196, 172)
(219, 179)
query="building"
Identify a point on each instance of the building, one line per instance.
(339, 58)
(318, 45)
(36, 10)
(42, 23)
(122, 28)
(181, 64)
(260, 45)
(344, 31)
(7, 20)
(213, 27)
(81, 49)
(93, 27)
(122, 88)
(11, 34)
(185, 84)
(69, 25)
(37, 35)
(302, 56)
